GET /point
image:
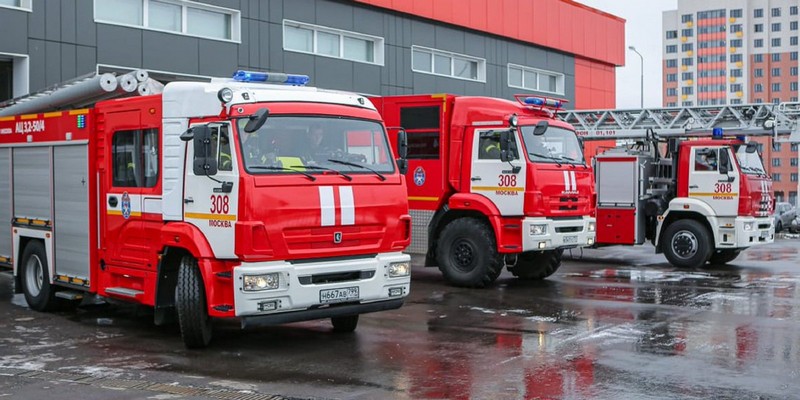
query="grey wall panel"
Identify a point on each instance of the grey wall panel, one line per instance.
(52, 20)
(36, 53)
(244, 50)
(334, 15)
(275, 11)
(300, 10)
(167, 52)
(52, 63)
(217, 58)
(118, 45)
(32, 182)
(86, 59)
(71, 223)
(5, 202)
(337, 74)
(254, 42)
(36, 21)
(86, 30)
(69, 62)
(68, 26)
(13, 21)
(366, 79)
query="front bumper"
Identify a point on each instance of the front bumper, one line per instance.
(298, 296)
(559, 233)
(761, 231)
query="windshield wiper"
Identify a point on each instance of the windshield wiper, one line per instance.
(309, 176)
(345, 176)
(348, 163)
(556, 159)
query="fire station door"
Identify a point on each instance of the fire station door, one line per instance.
(501, 182)
(211, 202)
(708, 184)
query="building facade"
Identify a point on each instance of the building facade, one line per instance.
(377, 47)
(736, 52)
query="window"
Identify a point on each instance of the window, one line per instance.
(776, 146)
(758, 28)
(673, 48)
(734, 43)
(672, 77)
(793, 86)
(792, 41)
(688, 103)
(443, 63)
(686, 18)
(672, 104)
(758, 88)
(794, 147)
(687, 47)
(776, 27)
(221, 147)
(776, 42)
(736, 87)
(705, 159)
(201, 20)
(489, 146)
(758, 43)
(793, 10)
(793, 161)
(776, 57)
(758, 73)
(687, 90)
(422, 125)
(687, 61)
(758, 13)
(776, 12)
(736, 73)
(793, 177)
(776, 162)
(330, 42)
(793, 56)
(535, 79)
(737, 13)
(672, 91)
(736, 28)
(687, 76)
(776, 177)
(758, 58)
(736, 58)
(776, 87)
(687, 32)
(672, 34)
(135, 158)
(672, 63)
(20, 4)
(793, 25)
(776, 72)
(793, 197)
(736, 101)
(758, 100)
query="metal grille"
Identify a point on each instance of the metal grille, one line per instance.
(420, 219)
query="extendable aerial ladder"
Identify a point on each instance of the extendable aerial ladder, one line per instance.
(781, 121)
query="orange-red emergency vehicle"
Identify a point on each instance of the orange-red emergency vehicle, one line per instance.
(492, 183)
(235, 198)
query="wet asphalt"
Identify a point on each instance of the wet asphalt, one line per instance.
(615, 323)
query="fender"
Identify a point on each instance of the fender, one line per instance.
(689, 205)
(507, 231)
(473, 202)
(187, 236)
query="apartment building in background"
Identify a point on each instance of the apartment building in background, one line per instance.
(736, 52)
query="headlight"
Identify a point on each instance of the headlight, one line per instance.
(748, 226)
(538, 230)
(399, 269)
(592, 227)
(225, 95)
(255, 283)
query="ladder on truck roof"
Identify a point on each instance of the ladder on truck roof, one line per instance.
(81, 92)
(777, 120)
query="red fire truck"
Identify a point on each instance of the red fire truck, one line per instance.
(685, 179)
(492, 183)
(237, 198)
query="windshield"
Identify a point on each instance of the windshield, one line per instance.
(557, 145)
(314, 145)
(750, 162)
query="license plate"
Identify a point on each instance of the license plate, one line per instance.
(571, 239)
(338, 295)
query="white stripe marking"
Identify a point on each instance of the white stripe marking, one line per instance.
(566, 181)
(327, 206)
(348, 205)
(574, 184)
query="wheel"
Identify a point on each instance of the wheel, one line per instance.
(467, 254)
(537, 265)
(345, 324)
(35, 274)
(779, 227)
(721, 257)
(190, 304)
(687, 243)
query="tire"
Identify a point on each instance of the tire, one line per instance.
(687, 244)
(35, 278)
(190, 304)
(467, 254)
(345, 324)
(721, 257)
(779, 227)
(537, 265)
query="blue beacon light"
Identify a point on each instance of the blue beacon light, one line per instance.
(538, 101)
(288, 79)
(717, 133)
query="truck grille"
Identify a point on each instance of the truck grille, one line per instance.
(570, 205)
(316, 238)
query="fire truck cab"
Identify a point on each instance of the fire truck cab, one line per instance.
(238, 198)
(492, 183)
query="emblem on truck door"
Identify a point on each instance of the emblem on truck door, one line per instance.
(125, 206)
(337, 237)
(419, 176)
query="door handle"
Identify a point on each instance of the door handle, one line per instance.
(188, 201)
(112, 201)
(476, 178)
(693, 187)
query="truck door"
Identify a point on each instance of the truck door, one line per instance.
(502, 182)
(211, 203)
(720, 191)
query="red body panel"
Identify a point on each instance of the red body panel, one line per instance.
(616, 226)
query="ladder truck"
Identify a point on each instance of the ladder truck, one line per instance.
(685, 179)
(206, 202)
(493, 184)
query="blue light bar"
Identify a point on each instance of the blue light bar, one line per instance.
(539, 101)
(272, 77)
(717, 133)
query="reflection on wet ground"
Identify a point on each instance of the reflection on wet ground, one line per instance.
(604, 327)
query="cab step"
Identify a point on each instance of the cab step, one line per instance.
(124, 292)
(71, 295)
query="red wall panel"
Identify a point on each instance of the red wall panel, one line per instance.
(559, 24)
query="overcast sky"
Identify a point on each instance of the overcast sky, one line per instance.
(643, 31)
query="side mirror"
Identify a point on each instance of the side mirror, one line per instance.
(505, 146)
(402, 144)
(541, 128)
(205, 162)
(724, 161)
(402, 165)
(257, 120)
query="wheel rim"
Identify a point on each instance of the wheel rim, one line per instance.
(684, 244)
(463, 255)
(34, 275)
